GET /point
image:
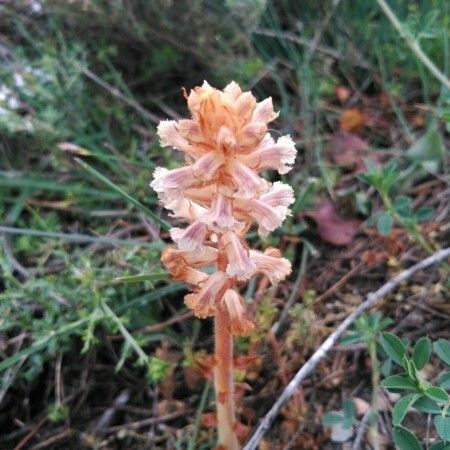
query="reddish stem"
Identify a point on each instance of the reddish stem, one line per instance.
(224, 384)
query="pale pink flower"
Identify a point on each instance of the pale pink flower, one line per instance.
(170, 136)
(182, 264)
(239, 263)
(220, 216)
(245, 181)
(264, 112)
(206, 166)
(250, 136)
(271, 264)
(267, 217)
(269, 154)
(191, 238)
(279, 194)
(186, 209)
(204, 303)
(220, 195)
(164, 179)
(235, 306)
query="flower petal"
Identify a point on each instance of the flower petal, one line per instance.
(226, 140)
(220, 215)
(202, 195)
(239, 263)
(270, 155)
(267, 217)
(181, 264)
(244, 106)
(264, 111)
(280, 194)
(271, 264)
(186, 209)
(191, 238)
(181, 178)
(205, 302)
(251, 136)
(235, 306)
(206, 166)
(246, 182)
(233, 90)
(190, 130)
(183, 272)
(170, 135)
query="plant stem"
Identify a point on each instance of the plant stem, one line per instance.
(413, 44)
(412, 229)
(375, 388)
(224, 384)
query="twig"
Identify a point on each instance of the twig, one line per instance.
(413, 44)
(289, 36)
(361, 429)
(294, 293)
(322, 27)
(108, 414)
(75, 237)
(15, 265)
(353, 271)
(326, 346)
(146, 422)
(53, 439)
(166, 323)
(121, 96)
(35, 429)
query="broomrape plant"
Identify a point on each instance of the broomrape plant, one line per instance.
(220, 195)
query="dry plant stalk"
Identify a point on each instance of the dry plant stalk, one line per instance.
(220, 194)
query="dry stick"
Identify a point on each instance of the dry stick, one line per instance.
(294, 293)
(413, 44)
(326, 346)
(362, 428)
(35, 429)
(121, 96)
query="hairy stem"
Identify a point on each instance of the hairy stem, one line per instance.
(224, 384)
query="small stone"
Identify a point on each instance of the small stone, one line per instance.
(340, 434)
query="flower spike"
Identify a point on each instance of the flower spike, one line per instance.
(220, 194)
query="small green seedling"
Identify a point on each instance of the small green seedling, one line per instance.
(416, 391)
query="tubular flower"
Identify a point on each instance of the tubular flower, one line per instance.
(220, 194)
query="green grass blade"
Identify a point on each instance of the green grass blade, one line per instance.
(75, 237)
(165, 225)
(142, 277)
(40, 344)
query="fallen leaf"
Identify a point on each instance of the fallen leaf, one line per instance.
(372, 257)
(332, 227)
(349, 150)
(352, 119)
